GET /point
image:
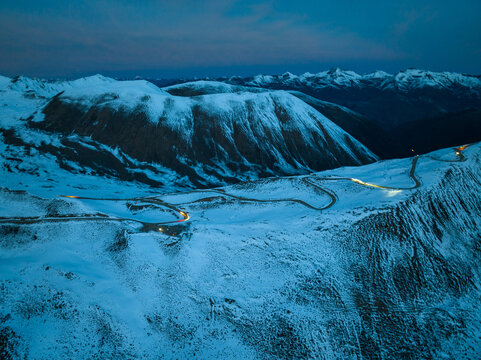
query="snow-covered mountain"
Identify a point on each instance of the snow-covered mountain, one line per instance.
(207, 133)
(390, 99)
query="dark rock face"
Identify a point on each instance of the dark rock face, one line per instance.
(225, 145)
(442, 131)
(359, 126)
(88, 154)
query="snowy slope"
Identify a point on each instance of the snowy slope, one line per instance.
(381, 272)
(203, 87)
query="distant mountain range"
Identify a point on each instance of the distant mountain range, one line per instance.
(389, 99)
(404, 81)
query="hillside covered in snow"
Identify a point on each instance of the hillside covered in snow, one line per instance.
(375, 261)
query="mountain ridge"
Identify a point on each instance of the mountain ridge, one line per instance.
(404, 80)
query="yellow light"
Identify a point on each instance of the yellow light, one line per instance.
(358, 181)
(367, 184)
(160, 229)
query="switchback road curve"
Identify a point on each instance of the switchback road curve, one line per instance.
(184, 216)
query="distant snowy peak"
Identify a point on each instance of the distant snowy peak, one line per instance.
(205, 87)
(418, 79)
(335, 77)
(47, 88)
(22, 84)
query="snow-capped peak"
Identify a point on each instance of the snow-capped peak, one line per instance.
(378, 74)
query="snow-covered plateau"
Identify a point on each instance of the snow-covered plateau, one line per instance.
(376, 261)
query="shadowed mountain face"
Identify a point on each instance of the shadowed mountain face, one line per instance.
(367, 131)
(445, 130)
(211, 139)
(361, 127)
(422, 136)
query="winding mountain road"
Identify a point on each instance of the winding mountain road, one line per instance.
(412, 176)
(184, 216)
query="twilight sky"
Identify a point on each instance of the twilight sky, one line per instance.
(186, 38)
